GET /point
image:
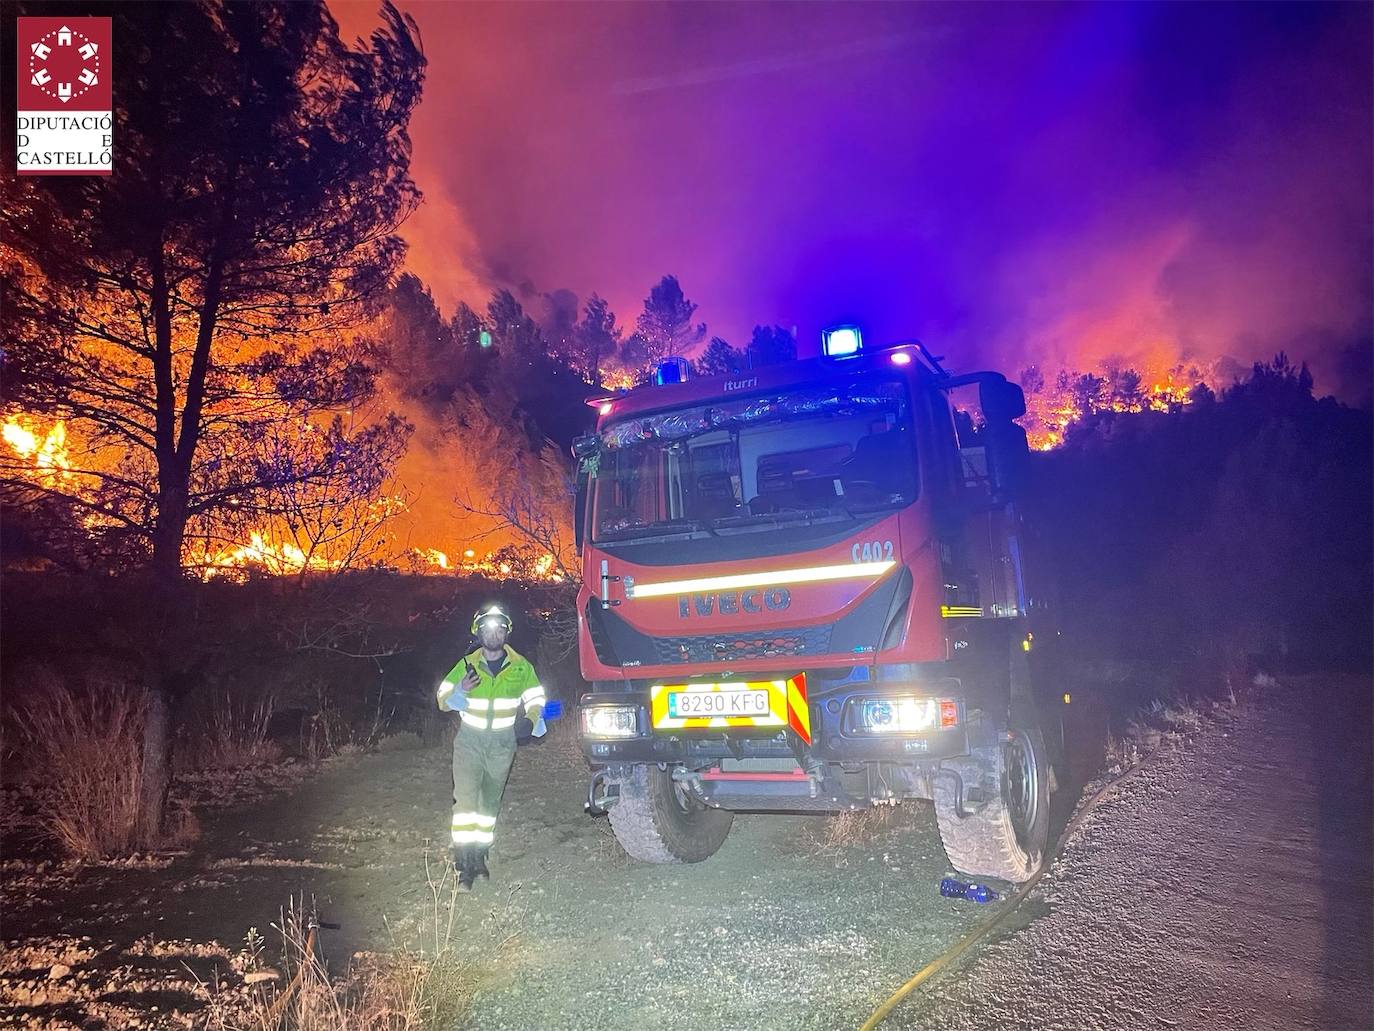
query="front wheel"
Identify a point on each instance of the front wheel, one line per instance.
(1008, 837)
(656, 821)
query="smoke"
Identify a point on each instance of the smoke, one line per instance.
(444, 251)
(1259, 242)
(1049, 185)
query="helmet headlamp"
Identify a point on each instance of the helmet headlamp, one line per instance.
(492, 615)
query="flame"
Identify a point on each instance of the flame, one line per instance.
(259, 553)
(285, 559)
(45, 450)
(1051, 411)
(435, 562)
(38, 453)
(617, 379)
(435, 557)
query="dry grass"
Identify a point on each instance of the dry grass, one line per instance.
(608, 851)
(426, 985)
(236, 733)
(86, 747)
(1183, 717)
(1163, 722)
(1121, 753)
(852, 828)
(401, 741)
(328, 732)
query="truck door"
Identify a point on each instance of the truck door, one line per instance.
(977, 548)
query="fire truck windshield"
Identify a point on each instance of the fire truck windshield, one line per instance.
(828, 452)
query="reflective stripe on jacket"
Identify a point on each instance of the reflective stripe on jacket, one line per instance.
(494, 703)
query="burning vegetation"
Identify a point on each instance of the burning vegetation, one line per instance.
(1053, 406)
(37, 457)
(366, 531)
(44, 448)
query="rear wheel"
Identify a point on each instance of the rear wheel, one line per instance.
(656, 821)
(1008, 837)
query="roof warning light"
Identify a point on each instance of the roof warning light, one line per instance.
(672, 370)
(841, 341)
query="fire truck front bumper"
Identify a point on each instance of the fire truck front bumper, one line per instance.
(853, 725)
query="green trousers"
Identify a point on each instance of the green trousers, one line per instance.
(481, 764)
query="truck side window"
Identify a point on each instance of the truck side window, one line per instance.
(943, 445)
(973, 454)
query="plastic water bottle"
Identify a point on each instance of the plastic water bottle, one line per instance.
(980, 893)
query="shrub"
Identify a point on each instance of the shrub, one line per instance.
(86, 748)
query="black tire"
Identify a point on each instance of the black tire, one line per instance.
(1009, 836)
(655, 822)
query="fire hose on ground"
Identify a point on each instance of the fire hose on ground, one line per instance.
(946, 958)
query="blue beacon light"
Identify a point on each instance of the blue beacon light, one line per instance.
(841, 341)
(674, 370)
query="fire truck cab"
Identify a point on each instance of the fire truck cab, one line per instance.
(803, 590)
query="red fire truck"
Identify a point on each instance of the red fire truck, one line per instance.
(803, 591)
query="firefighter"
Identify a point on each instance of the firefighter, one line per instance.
(490, 689)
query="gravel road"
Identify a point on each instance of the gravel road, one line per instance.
(1228, 886)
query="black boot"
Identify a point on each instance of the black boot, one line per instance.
(479, 864)
(467, 873)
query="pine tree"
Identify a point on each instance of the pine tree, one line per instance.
(719, 358)
(665, 325)
(513, 332)
(595, 338)
(201, 297)
(771, 345)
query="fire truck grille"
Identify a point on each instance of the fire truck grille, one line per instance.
(801, 641)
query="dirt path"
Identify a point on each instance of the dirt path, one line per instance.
(1227, 887)
(770, 933)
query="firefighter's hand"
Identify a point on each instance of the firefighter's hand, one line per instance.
(469, 682)
(451, 697)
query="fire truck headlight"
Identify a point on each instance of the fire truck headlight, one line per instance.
(902, 714)
(611, 721)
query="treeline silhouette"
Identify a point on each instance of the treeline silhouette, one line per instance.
(1231, 534)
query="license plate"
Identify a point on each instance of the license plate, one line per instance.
(689, 704)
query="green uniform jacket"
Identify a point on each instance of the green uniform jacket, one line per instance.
(493, 703)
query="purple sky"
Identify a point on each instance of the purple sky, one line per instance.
(1013, 184)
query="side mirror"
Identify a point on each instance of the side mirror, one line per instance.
(1000, 400)
(1008, 457)
(586, 446)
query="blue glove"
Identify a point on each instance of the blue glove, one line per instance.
(455, 701)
